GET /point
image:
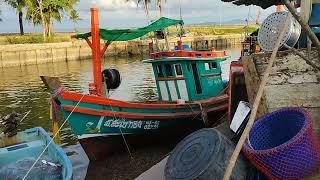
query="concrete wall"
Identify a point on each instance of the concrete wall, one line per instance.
(292, 83)
(25, 54)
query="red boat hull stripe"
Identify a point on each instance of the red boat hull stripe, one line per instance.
(157, 105)
(140, 116)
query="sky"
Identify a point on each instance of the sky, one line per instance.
(120, 14)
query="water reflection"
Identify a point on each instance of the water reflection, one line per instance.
(22, 90)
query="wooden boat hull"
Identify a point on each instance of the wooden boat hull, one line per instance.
(110, 144)
(100, 124)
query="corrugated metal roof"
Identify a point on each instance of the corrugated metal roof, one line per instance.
(262, 3)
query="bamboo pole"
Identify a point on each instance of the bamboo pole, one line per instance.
(304, 25)
(256, 103)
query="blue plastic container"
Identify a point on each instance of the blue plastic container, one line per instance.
(24, 148)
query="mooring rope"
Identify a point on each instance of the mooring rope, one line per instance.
(124, 139)
(52, 138)
(25, 116)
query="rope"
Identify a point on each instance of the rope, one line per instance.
(219, 120)
(193, 111)
(25, 116)
(256, 103)
(37, 115)
(204, 115)
(52, 139)
(124, 139)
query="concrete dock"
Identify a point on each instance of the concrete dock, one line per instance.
(26, 54)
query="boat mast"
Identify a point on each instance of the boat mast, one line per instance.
(96, 86)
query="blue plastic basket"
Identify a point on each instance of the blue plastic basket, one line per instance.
(282, 145)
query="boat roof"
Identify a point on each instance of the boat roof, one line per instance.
(111, 35)
(186, 56)
(168, 59)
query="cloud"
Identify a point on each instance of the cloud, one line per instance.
(116, 3)
(120, 14)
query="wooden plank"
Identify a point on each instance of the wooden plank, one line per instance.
(52, 83)
(252, 83)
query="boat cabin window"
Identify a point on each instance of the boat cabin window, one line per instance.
(178, 70)
(168, 70)
(211, 65)
(214, 65)
(159, 71)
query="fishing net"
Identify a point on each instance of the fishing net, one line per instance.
(282, 145)
(130, 34)
(41, 171)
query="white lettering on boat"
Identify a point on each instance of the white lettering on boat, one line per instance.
(130, 124)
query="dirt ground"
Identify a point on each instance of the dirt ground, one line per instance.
(122, 166)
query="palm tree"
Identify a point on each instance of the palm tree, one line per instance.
(18, 5)
(74, 17)
(147, 3)
(159, 4)
(35, 14)
(45, 11)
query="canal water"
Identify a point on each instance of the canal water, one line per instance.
(21, 88)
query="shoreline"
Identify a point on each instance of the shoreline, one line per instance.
(27, 54)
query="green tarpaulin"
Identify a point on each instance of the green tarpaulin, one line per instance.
(129, 34)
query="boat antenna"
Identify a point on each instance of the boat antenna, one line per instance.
(181, 26)
(247, 22)
(180, 9)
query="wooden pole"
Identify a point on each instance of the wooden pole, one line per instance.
(96, 56)
(256, 103)
(304, 25)
(305, 11)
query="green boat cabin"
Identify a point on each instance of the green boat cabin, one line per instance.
(188, 75)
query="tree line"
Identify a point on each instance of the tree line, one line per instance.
(43, 12)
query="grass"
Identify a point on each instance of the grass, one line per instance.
(32, 39)
(216, 30)
(65, 37)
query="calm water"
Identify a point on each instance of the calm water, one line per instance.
(21, 88)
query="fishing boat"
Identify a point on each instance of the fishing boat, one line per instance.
(191, 93)
(19, 152)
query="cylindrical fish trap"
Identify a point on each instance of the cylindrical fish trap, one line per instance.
(282, 145)
(270, 30)
(204, 154)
